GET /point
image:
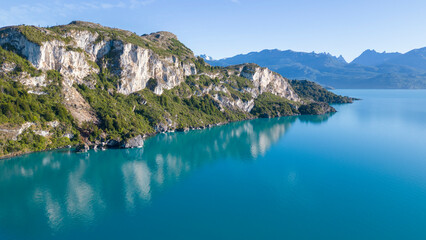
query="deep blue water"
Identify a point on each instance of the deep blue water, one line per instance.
(357, 174)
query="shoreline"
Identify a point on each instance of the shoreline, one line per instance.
(147, 136)
(13, 155)
(93, 146)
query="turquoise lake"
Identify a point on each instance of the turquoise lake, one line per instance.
(357, 174)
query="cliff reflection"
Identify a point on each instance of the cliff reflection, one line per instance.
(70, 190)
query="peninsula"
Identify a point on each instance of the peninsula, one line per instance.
(91, 86)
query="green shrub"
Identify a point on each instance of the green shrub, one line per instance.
(38, 36)
(268, 105)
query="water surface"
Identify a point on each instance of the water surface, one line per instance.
(357, 174)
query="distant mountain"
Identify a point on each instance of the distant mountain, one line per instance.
(369, 70)
(415, 59)
(373, 58)
(278, 58)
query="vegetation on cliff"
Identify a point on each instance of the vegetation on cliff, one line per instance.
(18, 106)
(313, 91)
(268, 105)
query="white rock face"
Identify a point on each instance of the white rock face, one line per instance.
(68, 135)
(263, 79)
(266, 80)
(7, 67)
(51, 55)
(139, 65)
(236, 104)
(15, 132)
(33, 82)
(28, 49)
(53, 124)
(43, 133)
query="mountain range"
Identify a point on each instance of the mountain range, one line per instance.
(370, 70)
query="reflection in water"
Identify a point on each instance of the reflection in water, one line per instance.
(69, 190)
(137, 181)
(315, 119)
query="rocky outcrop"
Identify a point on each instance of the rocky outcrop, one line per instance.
(113, 143)
(266, 80)
(82, 148)
(135, 142)
(138, 65)
(235, 104)
(50, 55)
(7, 67)
(14, 131)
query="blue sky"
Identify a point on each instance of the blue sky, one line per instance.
(223, 28)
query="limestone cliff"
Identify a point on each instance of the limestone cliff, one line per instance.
(80, 51)
(77, 53)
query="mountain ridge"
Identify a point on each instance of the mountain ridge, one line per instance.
(369, 70)
(371, 57)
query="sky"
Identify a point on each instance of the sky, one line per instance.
(224, 28)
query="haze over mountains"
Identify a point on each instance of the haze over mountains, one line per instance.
(370, 70)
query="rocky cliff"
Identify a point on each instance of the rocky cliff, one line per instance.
(115, 84)
(80, 51)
